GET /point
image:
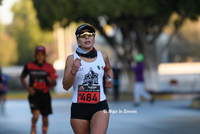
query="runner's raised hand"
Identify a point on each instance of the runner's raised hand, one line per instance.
(109, 83)
(76, 64)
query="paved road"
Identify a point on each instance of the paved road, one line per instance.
(164, 117)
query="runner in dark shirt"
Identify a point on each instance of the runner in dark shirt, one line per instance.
(41, 76)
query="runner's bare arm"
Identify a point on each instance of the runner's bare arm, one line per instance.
(51, 81)
(108, 70)
(24, 83)
(29, 89)
(71, 68)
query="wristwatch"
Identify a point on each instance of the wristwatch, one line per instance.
(108, 78)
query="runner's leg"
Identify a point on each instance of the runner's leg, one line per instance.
(137, 93)
(3, 102)
(36, 114)
(80, 126)
(144, 93)
(116, 92)
(45, 124)
(99, 122)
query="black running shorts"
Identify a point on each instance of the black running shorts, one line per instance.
(86, 111)
(41, 102)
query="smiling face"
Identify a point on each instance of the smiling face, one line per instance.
(87, 42)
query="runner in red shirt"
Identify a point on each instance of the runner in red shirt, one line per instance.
(42, 75)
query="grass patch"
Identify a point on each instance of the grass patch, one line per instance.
(23, 94)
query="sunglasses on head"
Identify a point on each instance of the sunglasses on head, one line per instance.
(82, 35)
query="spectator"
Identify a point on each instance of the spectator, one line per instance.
(116, 83)
(139, 84)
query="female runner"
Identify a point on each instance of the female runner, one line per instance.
(84, 70)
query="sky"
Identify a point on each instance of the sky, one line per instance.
(6, 16)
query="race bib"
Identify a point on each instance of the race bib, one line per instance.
(39, 85)
(88, 94)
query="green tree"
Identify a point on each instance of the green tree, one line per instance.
(26, 30)
(140, 23)
(7, 43)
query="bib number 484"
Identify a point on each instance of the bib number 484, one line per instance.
(88, 97)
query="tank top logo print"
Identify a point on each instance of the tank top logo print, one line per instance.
(89, 91)
(90, 78)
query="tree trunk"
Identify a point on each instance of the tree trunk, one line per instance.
(131, 80)
(130, 75)
(124, 58)
(150, 60)
(151, 68)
